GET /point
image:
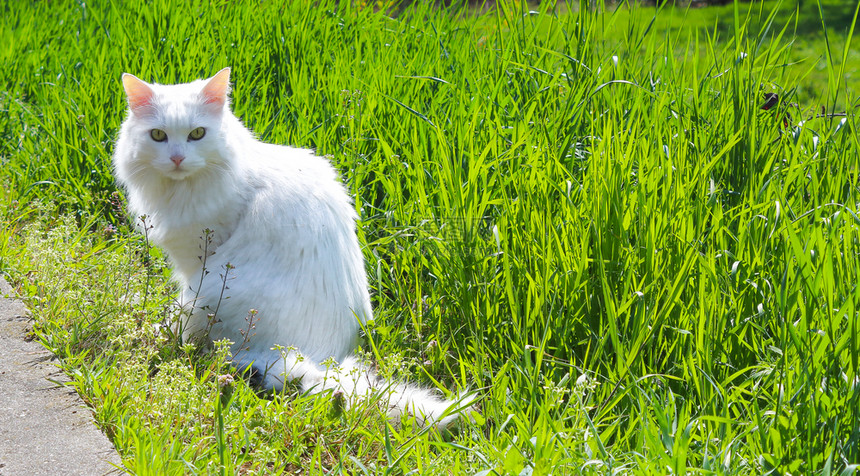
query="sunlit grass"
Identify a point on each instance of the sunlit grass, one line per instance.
(589, 219)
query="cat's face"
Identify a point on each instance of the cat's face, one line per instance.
(175, 130)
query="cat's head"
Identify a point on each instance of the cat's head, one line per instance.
(174, 130)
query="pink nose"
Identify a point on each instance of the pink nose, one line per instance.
(177, 159)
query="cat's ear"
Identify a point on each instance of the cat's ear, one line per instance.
(139, 94)
(217, 88)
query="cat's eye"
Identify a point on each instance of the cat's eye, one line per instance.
(158, 135)
(197, 134)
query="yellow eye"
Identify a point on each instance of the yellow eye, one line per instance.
(158, 135)
(197, 134)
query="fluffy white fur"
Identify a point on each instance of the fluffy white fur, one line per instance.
(283, 222)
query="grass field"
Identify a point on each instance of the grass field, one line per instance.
(586, 217)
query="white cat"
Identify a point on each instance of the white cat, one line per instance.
(280, 226)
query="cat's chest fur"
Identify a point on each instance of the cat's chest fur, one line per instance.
(190, 220)
(285, 193)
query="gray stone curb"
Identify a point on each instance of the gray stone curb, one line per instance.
(45, 428)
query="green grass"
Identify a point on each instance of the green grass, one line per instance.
(639, 269)
(816, 35)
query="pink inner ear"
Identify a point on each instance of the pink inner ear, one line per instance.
(138, 92)
(216, 89)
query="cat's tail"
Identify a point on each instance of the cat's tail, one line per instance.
(356, 382)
